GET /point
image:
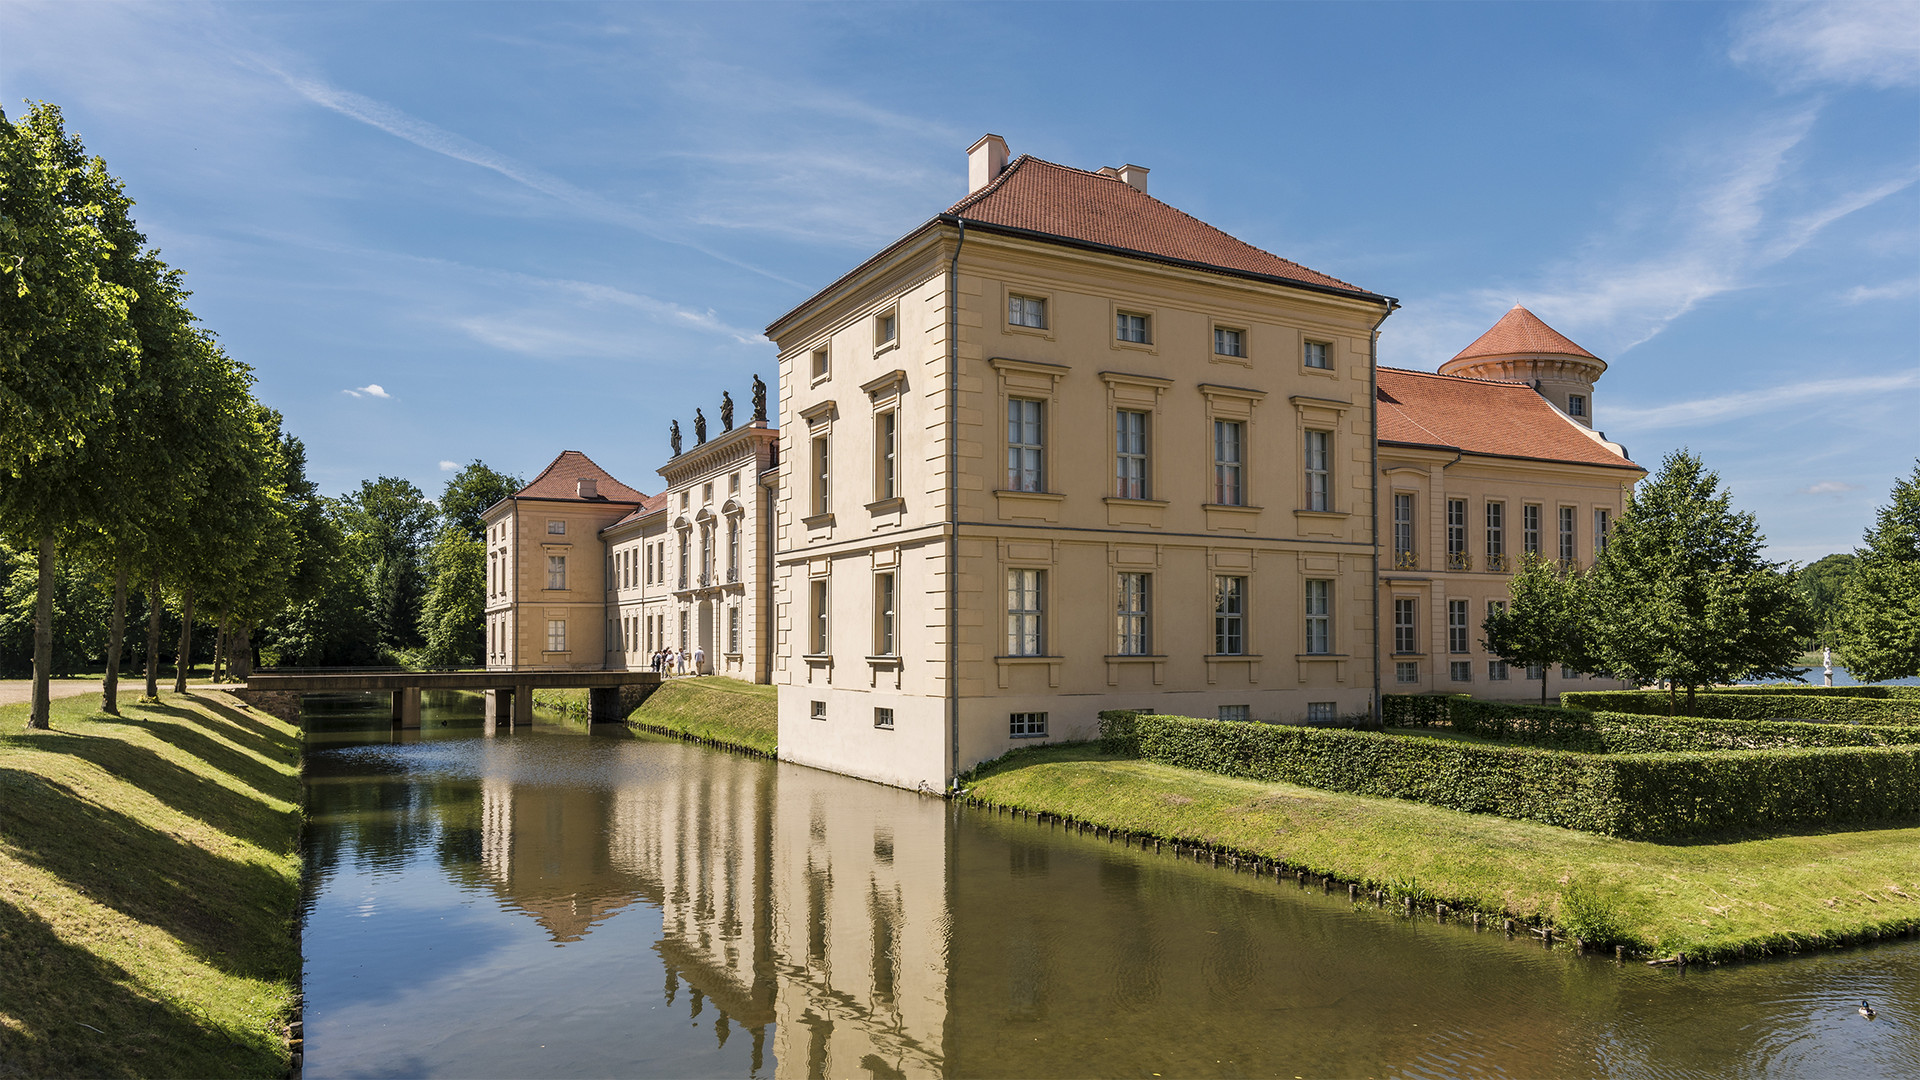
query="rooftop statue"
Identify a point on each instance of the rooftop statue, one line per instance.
(699, 427)
(675, 438)
(759, 400)
(726, 411)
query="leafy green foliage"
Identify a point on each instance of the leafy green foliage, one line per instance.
(1753, 706)
(452, 619)
(79, 632)
(386, 524)
(1681, 594)
(1628, 732)
(1820, 585)
(1596, 911)
(1879, 617)
(1627, 795)
(1544, 621)
(468, 495)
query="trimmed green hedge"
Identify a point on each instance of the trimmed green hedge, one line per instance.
(1636, 796)
(1626, 733)
(1746, 705)
(1880, 692)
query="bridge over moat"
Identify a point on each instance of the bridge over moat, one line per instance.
(610, 694)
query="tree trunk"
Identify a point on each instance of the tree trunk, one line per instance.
(41, 716)
(1689, 699)
(153, 641)
(240, 653)
(116, 641)
(184, 656)
(1670, 703)
(1544, 668)
(219, 645)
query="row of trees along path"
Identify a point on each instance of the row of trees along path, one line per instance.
(130, 439)
(1681, 595)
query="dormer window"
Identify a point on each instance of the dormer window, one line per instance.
(1576, 404)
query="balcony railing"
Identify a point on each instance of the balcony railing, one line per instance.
(1497, 562)
(1459, 560)
(1406, 560)
(683, 581)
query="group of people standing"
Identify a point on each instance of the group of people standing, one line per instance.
(680, 661)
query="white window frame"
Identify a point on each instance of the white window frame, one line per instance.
(1127, 324)
(556, 635)
(557, 573)
(1027, 725)
(1230, 615)
(1026, 311)
(819, 616)
(1133, 614)
(1026, 611)
(1404, 556)
(1406, 625)
(1569, 537)
(1318, 460)
(1530, 528)
(1459, 634)
(1132, 435)
(886, 329)
(1026, 444)
(886, 597)
(886, 454)
(1576, 404)
(556, 527)
(1230, 342)
(1310, 350)
(820, 460)
(1317, 596)
(882, 718)
(1229, 463)
(821, 360)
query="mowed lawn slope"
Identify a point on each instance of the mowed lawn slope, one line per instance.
(710, 707)
(1708, 897)
(149, 877)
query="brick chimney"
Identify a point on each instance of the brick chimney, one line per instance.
(1135, 177)
(986, 160)
(587, 487)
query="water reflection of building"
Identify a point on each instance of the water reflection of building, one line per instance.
(542, 852)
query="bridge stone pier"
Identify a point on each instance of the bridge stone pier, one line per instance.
(611, 695)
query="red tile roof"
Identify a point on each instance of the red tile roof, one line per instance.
(653, 503)
(1042, 197)
(560, 481)
(1482, 416)
(1521, 331)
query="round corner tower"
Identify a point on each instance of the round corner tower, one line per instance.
(1521, 348)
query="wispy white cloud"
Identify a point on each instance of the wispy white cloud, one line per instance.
(449, 466)
(1897, 290)
(1855, 43)
(438, 140)
(1731, 406)
(1828, 487)
(374, 390)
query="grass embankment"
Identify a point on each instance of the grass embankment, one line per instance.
(1711, 898)
(709, 708)
(149, 878)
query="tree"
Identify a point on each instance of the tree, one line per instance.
(453, 619)
(1544, 620)
(1820, 585)
(468, 495)
(1879, 617)
(1681, 594)
(387, 523)
(66, 346)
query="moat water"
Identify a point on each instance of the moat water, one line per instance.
(559, 902)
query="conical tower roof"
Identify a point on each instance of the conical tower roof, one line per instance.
(1520, 332)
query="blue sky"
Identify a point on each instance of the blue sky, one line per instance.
(415, 221)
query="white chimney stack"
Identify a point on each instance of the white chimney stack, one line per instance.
(1135, 177)
(588, 487)
(986, 160)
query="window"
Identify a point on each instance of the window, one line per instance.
(1530, 529)
(1536, 672)
(1130, 454)
(683, 633)
(1229, 342)
(556, 635)
(1576, 404)
(883, 719)
(886, 444)
(686, 555)
(820, 366)
(1404, 638)
(1131, 615)
(1023, 612)
(1406, 672)
(706, 553)
(1566, 534)
(1602, 530)
(1320, 712)
(817, 638)
(1316, 355)
(706, 493)
(1024, 445)
(556, 571)
(1131, 328)
(733, 629)
(733, 549)
(1229, 459)
(1317, 470)
(1319, 616)
(1404, 557)
(886, 328)
(1567, 672)
(1229, 616)
(1457, 535)
(1027, 725)
(686, 498)
(556, 528)
(1027, 311)
(883, 615)
(821, 463)
(1457, 631)
(1496, 536)
(1238, 713)
(1461, 670)
(733, 484)
(1497, 670)
(817, 710)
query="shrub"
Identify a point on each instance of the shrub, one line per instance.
(1637, 796)
(1639, 733)
(1747, 705)
(1909, 693)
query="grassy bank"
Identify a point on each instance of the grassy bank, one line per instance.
(1711, 898)
(722, 710)
(149, 877)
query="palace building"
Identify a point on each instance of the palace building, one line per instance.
(1064, 448)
